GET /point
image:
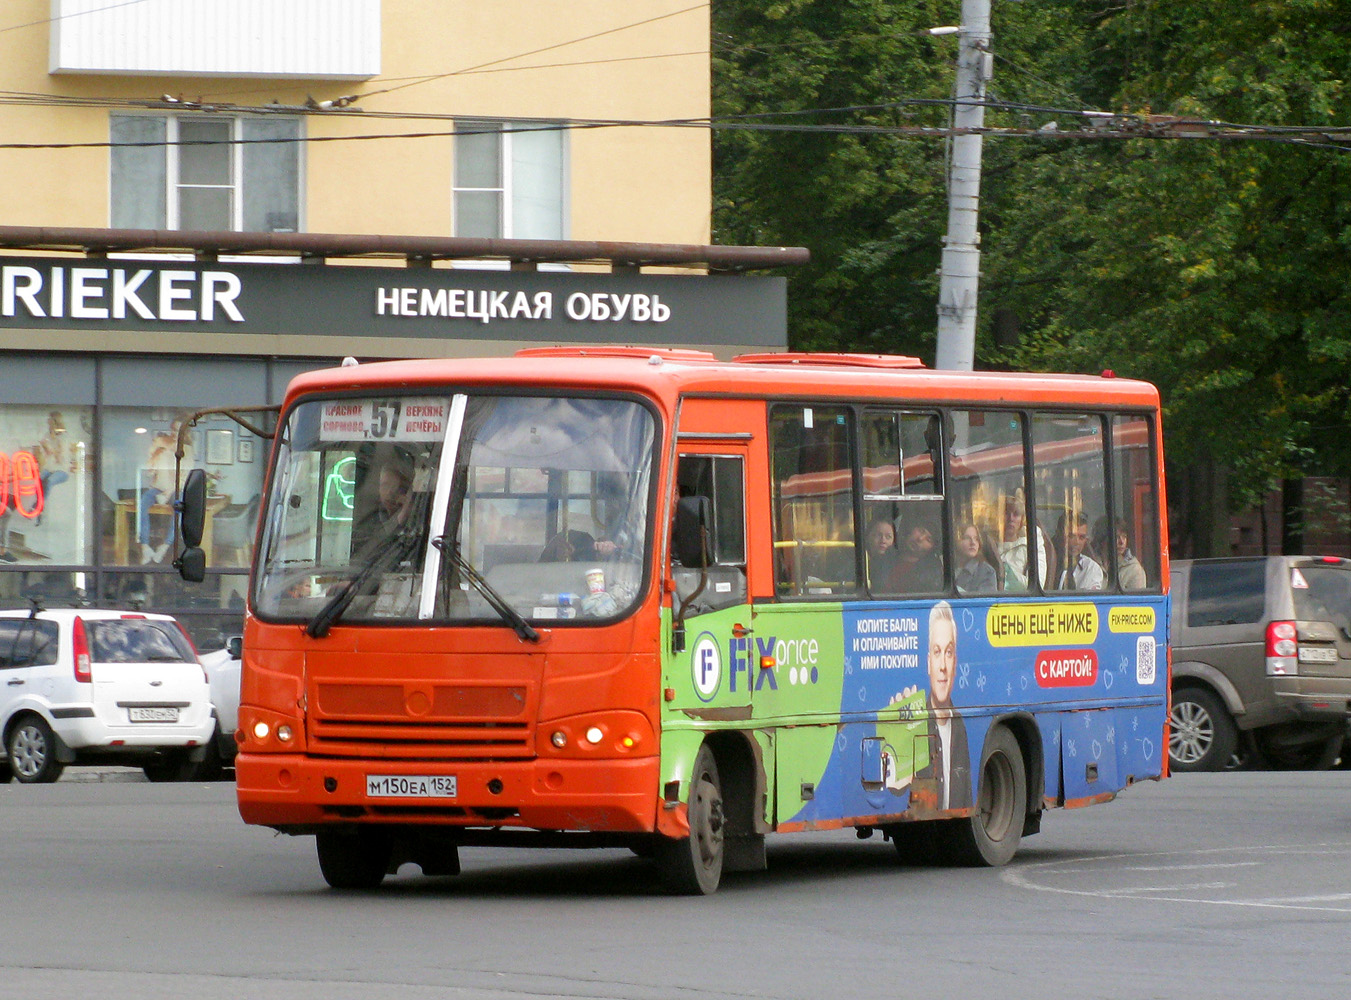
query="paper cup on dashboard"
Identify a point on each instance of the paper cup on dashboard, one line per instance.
(595, 580)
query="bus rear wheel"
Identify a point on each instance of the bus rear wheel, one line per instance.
(989, 837)
(692, 866)
(354, 859)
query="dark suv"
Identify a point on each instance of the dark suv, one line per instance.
(1261, 661)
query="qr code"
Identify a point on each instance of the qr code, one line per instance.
(1145, 670)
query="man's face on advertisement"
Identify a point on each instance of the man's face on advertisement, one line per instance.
(942, 661)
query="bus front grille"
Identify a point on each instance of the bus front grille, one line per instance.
(415, 720)
(407, 739)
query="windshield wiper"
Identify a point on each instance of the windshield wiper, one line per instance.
(399, 545)
(510, 615)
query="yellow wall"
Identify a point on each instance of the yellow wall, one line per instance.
(627, 184)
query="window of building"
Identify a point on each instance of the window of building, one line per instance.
(46, 485)
(208, 172)
(510, 180)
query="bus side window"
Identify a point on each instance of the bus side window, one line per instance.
(1135, 536)
(988, 491)
(813, 501)
(1071, 497)
(903, 500)
(720, 478)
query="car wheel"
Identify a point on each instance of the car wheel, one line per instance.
(211, 767)
(989, 837)
(32, 751)
(355, 859)
(1201, 734)
(692, 866)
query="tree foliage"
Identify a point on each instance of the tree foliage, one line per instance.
(1218, 269)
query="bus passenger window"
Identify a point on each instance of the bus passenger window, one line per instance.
(813, 501)
(721, 479)
(1135, 538)
(903, 502)
(1071, 493)
(989, 492)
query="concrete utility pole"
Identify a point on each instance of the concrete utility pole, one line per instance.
(960, 272)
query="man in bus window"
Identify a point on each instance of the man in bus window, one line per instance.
(393, 501)
(919, 567)
(1082, 571)
(949, 769)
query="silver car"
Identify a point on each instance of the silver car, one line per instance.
(1261, 661)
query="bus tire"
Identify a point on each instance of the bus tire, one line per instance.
(354, 859)
(1201, 734)
(989, 837)
(692, 866)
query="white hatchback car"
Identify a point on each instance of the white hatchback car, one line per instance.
(90, 686)
(222, 669)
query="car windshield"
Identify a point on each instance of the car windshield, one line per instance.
(457, 507)
(1323, 594)
(137, 641)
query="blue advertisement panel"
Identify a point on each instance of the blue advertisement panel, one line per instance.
(922, 683)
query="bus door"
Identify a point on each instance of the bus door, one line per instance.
(715, 673)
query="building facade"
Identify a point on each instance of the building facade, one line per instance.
(183, 162)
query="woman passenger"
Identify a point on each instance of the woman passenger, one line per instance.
(975, 571)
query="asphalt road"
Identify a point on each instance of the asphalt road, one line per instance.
(1221, 885)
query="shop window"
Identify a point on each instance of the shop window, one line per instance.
(46, 485)
(138, 464)
(509, 180)
(207, 172)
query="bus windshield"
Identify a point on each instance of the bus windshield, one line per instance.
(458, 508)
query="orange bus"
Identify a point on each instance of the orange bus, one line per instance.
(646, 598)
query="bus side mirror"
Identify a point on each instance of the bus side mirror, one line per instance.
(234, 646)
(690, 533)
(191, 564)
(192, 509)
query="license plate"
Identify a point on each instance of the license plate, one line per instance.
(1316, 654)
(410, 786)
(153, 713)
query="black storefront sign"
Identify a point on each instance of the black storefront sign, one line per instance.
(434, 303)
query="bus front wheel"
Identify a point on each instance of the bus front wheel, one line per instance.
(989, 837)
(692, 866)
(354, 859)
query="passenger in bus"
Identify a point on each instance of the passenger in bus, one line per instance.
(976, 562)
(881, 546)
(1129, 572)
(1013, 546)
(949, 770)
(919, 567)
(1082, 571)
